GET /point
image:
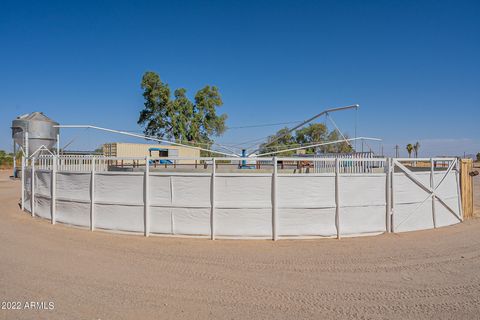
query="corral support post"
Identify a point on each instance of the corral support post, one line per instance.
(337, 197)
(23, 183)
(15, 175)
(432, 186)
(32, 188)
(212, 202)
(53, 189)
(146, 197)
(26, 145)
(388, 195)
(465, 187)
(274, 200)
(392, 181)
(58, 144)
(92, 196)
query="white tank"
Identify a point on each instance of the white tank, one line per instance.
(40, 128)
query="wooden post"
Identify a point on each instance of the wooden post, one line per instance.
(466, 185)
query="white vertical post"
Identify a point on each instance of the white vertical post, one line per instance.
(14, 159)
(26, 144)
(432, 186)
(32, 188)
(23, 183)
(58, 144)
(146, 196)
(389, 195)
(337, 198)
(53, 189)
(212, 201)
(274, 200)
(92, 197)
(392, 219)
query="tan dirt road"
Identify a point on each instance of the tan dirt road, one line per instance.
(96, 275)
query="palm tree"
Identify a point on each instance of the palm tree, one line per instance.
(409, 149)
(416, 146)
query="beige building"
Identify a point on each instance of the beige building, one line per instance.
(120, 149)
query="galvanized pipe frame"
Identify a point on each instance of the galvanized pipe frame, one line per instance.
(389, 175)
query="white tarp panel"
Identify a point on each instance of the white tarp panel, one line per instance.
(160, 190)
(243, 205)
(73, 186)
(191, 221)
(161, 220)
(43, 181)
(121, 188)
(71, 212)
(42, 206)
(362, 203)
(306, 205)
(448, 191)
(243, 222)
(42, 194)
(303, 191)
(28, 188)
(306, 222)
(359, 220)
(119, 217)
(191, 191)
(180, 204)
(246, 191)
(409, 213)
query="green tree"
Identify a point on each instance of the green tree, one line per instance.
(283, 143)
(316, 132)
(340, 147)
(478, 156)
(6, 158)
(409, 149)
(312, 134)
(180, 119)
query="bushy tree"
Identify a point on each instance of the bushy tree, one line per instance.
(180, 119)
(314, 133)
(6, 158)
(279, 144)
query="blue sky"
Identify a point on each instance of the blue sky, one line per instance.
(412, 66)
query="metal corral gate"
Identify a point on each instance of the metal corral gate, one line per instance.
(424, 200)
(220, 199)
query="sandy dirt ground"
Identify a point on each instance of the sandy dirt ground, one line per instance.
(97, 275)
